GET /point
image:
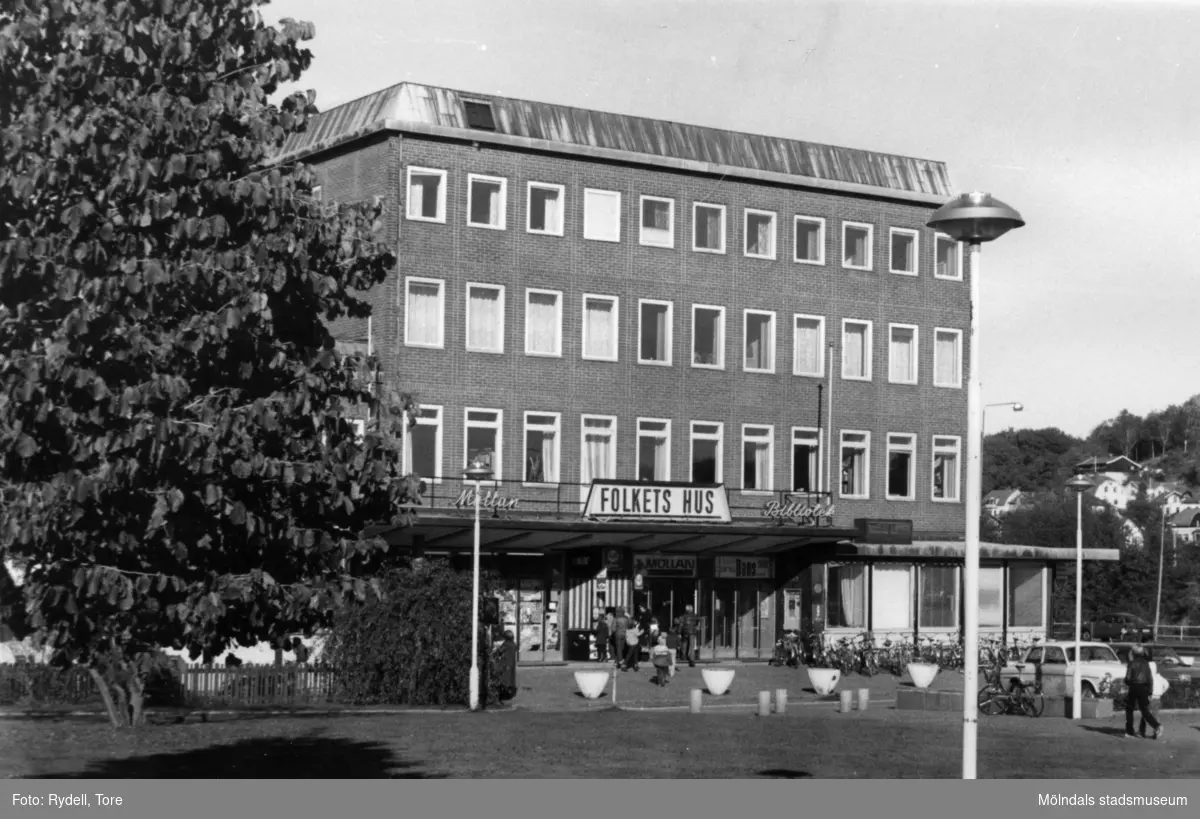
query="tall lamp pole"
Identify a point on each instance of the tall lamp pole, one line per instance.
(477, 471)
(1017, 406)
(973, 218)
(1162, 541)
(1078, 485)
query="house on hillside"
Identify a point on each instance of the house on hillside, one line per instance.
(1118, 468)
(1116, 493)
(1185, 524)
(1171, 497)
(1000, 502)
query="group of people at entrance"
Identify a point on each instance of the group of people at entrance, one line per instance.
(626, 637)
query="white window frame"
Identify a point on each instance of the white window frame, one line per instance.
(587, 226)
(562, 204)
(558, 324)
(612, 450)
(616, 314)
(1009, 599)
(746, 313)
(724, 227)
(441, 200)
(937, 238)
(746, 214)
(934, 450)
(916, 353)
(915, 235)
(923, 626)
(718, 436)
(868, 347)
(502, 217)
(957, 385)
(558, 441)
(650, 241)
(406, 442)
(866, 442)
(770, 459)
(441, 342)
(820, 223)
(911, 448)
(637, 450)
(670, 333)
(498, 425)
(467, 314)
(820, 373)
(870, 228)
(720, 341)
(802, 435)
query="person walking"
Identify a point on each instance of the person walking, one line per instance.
(663, 660)
(506, 664)
(602, 637)
(633, 644)
(686, 627)
(1139, 679)
(620, 626)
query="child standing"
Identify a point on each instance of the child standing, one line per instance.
(663, 660)
(602, 639)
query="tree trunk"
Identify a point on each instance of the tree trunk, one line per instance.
(106, 695)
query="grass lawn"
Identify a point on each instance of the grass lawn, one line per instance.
(812, 741)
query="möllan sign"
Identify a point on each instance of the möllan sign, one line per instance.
(488, 500)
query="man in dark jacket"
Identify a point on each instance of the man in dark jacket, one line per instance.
(620, 626)
(506, 664)
(686, 626)
(1139, 678)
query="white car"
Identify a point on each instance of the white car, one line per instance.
(1056, 659)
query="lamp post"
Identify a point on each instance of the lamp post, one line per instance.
(973, 218)
(477, 471)
(1162, 542)
(1078, 485)
(1017, 406)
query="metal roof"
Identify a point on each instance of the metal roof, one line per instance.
(428, 109)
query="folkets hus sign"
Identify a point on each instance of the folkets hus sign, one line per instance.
(657, 500)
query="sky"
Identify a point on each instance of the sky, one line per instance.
(1083, 116)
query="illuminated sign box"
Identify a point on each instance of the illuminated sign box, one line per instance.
(745, 568)
(658, 501)
(871, 530)
(651, 566)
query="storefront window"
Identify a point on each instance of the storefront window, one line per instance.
(939, 597)
(991, 580)
(891, 596)
(1025, 600)
(847, 594)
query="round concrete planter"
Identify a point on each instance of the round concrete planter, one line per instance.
(717, 680)
(591, 683)
(922, 674)
(824, 680)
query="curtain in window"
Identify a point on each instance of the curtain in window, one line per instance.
(416, 197)
(853, 474)
(658, 216)
(754, 354)
(709, 228)
(852, 361)
(902, 349)
(990, 584)
(553, 212)
(1025, 596)
(600, 214)
(484, 329)
(596, 449)
(758, 465)
(542, 316)
(599, 335)
(760, 237)
(661, 465)
(851, 589)
(947, 358)
(939, 597)
(808, 346)
(654, 333)
(891, 596)
(549, 461)
(493, 200)
(424, 312)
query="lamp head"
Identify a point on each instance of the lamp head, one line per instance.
(1079, 484)
(1017, 407)
(477, 471)
(975, 217)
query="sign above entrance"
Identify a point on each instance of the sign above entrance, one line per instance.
(657, 500)
(745, 568)
(650, 566)
(807, 510)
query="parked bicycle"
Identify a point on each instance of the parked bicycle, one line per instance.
(1018, 698)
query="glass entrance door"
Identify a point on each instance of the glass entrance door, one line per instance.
(724, 619)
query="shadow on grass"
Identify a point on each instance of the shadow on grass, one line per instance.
(1098, 729)
(306, 757)
(785, 773)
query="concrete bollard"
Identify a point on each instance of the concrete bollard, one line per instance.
(780, 700)
(696, 695)
(847, 704)
(764, 703)
(864, 697)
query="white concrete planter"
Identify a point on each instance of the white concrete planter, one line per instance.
(824, 680)
(922, 674)
(717, 680)
(591, 683)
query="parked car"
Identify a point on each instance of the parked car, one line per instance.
(1117, 626)
(1170, 664)
(1056, 658)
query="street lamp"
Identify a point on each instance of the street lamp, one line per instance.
(477, 471)
(1078, 485)
(973, 218)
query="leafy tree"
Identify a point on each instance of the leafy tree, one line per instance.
(175, 462)
(1032, 460)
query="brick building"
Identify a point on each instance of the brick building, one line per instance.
(629, 310)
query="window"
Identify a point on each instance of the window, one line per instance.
(708, 228)
(543, 322)
(708, 336)
(485, 318)
(600, 328)
(902, 354)
(601, 215)
(541, 447)
(856, 245)
(426, 195)
(707, 460)
(948, 258)
(653, 449)
(483, 438)
(856, 350)
(423, 444)
(946, 452)
(846, 593)
(991, 583)
(809, 353)
(758, 455)
(806, 460)
(486, 196)
(856, 465)
(902, 466)
(810, 240)
(904, 254)
(947, 358)
(1026, 596)
(939, 597)
(545, 209)
(759, 341)
(598, 450)
(891, 596)
(654, 332)
(760, 234)
(424, 311)
(479, 115)
(1054, 655)
(658, 222)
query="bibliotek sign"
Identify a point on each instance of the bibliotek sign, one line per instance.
(657, 500)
